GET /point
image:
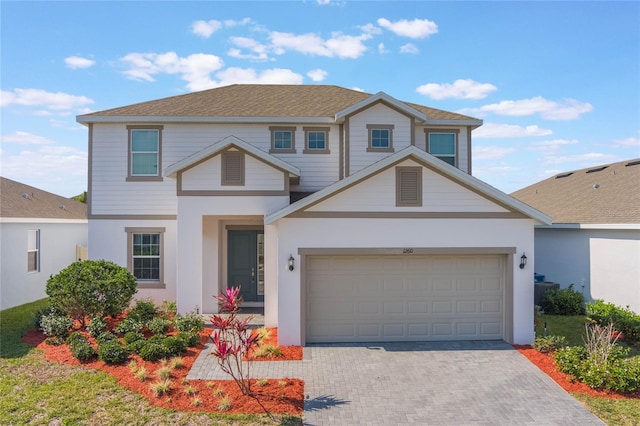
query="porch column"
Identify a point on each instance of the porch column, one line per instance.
(189, 261)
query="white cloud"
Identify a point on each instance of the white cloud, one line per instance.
(497, 130)
(593, 158)
(568, 109)
(258, 50)
(418, 28)
(339, 45)
(25, 138)
(551, 145)
(460, 89)
(632, 142)
(356, 88)
(491, 152)
(370, 29)
(323, 2)
(231, 23)
(251, 76)
(381, 49)
(317, 74)
(57, 101)
(409, 48)
(204, 29)
(48, 167)
(194, 69)
(76, 62)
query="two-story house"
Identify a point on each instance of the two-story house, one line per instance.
(348, 216)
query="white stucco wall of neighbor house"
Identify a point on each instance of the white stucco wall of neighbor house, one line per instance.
(368, 233)
(601, 263)
(58, 240)
(108, 241)
(615, 270)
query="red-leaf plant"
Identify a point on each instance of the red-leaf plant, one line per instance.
(232, 339)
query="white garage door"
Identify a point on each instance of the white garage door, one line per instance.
(404, 298)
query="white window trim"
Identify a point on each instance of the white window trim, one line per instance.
(35, 250)
(146, 283)
(139, 177)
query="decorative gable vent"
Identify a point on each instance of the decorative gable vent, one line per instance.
(408, 186)
(233, 168)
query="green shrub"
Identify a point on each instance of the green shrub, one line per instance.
(564, 301)
(549, 343)
(191, 339)
(168, 309)
(569, 359)
(174, 345)
(136, 346)
(625, 321)
(133, 336)
(54, 341)
(80, 347)
(56, 325)
(143, 311)
(91, 288)
(105, 336)
(158, 325)
(152, 351)
(96, 326)
(75, 337)
(128, 325)
(45, 311)
(191, 322)
(112, 352)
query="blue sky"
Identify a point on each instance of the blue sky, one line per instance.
(556, 83)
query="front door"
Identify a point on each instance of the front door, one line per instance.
(245, 267)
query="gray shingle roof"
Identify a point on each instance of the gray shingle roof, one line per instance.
(37, 203)
(256, 100)
(609, 193)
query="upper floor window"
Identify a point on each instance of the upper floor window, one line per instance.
(283, 140)
(380, 138)
(316, 140)
(33, 250)
(145, 152)
(442, 144)
(145, 255)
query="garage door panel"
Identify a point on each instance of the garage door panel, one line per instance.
(395, 298)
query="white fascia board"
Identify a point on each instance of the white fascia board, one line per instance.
(446, 169)
(381, 96)
(474, 123)
(173, 169)
(618, 226)
(86, 119)
(41, 220)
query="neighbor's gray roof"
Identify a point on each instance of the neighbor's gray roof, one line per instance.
(36, 203)
(609, 193)
(259, 100)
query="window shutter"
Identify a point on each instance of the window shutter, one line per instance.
(409, 186)
(233, 168)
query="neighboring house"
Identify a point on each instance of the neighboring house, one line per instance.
(348, 216)
(40, 234)
(594, 241)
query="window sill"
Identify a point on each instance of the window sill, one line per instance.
(316, 151)
(282, 151)
(151, 285)
(380, 149)
(144, 179)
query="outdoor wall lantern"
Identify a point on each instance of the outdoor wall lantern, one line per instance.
(523, 261)
(291, 262)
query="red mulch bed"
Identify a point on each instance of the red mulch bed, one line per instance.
(545, 363)
(284, 396)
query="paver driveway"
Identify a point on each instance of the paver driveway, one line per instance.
(435, 383)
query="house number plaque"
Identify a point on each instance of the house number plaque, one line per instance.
(407, 251)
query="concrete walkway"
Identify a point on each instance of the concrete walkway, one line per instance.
(437, 383)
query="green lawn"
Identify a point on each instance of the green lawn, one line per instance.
(36, 391)
(612, 411)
